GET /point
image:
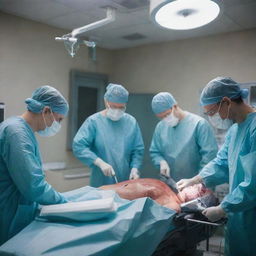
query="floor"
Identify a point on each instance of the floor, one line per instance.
(216, 246)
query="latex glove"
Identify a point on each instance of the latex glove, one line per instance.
(188, 182)
(214, 213)
(134, 174)
(164, 168)
(106, 168)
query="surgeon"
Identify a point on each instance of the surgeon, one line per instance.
(223, 101)
(110, 141)
(183, 143)
(22, 181)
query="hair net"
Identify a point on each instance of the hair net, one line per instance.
(221, 87)
(116, 93)
(47, 96)
(162, 102)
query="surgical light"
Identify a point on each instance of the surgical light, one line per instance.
(183, 14)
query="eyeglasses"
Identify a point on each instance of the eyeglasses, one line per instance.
(212, 111)
(161, 116)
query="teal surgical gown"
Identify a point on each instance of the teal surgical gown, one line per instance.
(22, 182)
(236, 164)
(118, 143)
(187, 147)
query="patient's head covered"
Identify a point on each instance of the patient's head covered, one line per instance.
(193, 192)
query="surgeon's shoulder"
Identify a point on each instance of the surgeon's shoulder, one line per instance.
(253, 125)
(231, 132)
(94, 116)
(161, 124)
(129, 118)
(11, 126)
(195, 118)
(92, 119)
(197, 121)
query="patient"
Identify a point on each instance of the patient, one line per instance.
(158, 191)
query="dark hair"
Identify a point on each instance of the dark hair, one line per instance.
(238, 100)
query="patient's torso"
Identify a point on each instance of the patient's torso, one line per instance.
(153, 188)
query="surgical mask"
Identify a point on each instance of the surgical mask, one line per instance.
(50, 130)
(220, 123)
(115, 114)
(171, 120)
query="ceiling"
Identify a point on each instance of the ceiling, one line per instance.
(132, 26)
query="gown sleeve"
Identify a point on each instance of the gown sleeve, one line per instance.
(25, 169)
(83, 141)
(217, 172)
(155, 148)
(207, 143)
(138, 149)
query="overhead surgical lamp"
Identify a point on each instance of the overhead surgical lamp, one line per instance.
(183, 14)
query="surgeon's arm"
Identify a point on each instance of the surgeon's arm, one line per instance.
(155, 148)
(26, 172)
(83, 141)
(138, 149)
(216, 172)
(243, 197)
(206, 142)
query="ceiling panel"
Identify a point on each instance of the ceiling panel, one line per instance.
(93, 7)
(244, 15)
(34, 9)
(237, 2)
(124, 20)
(132, 17)
(71, 20)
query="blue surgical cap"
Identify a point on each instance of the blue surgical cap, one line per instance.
(162, 102)
(47, 96)
(221, 87)
(116, 93)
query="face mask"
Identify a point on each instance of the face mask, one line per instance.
(171, 120)
(114, 114)
(50, 130)
(220, 123)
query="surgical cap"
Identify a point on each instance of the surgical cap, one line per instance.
(47, 96)
(116, 93)
(221, 87)
(162, 102)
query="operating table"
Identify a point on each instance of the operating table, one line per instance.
(140, 227)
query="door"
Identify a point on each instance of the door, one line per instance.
(86, 98)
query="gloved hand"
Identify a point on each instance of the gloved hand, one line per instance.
(214, 213)
(106, 168)
(188, 182)
(164, 168)
(134, 174)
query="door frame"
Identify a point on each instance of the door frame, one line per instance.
(75, 76)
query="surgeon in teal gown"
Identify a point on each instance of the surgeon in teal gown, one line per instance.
(22, 181)
(235, 164)
(110, 141)
(183, 143)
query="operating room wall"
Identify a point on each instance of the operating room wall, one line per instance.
(29, 58)
(184, 67)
